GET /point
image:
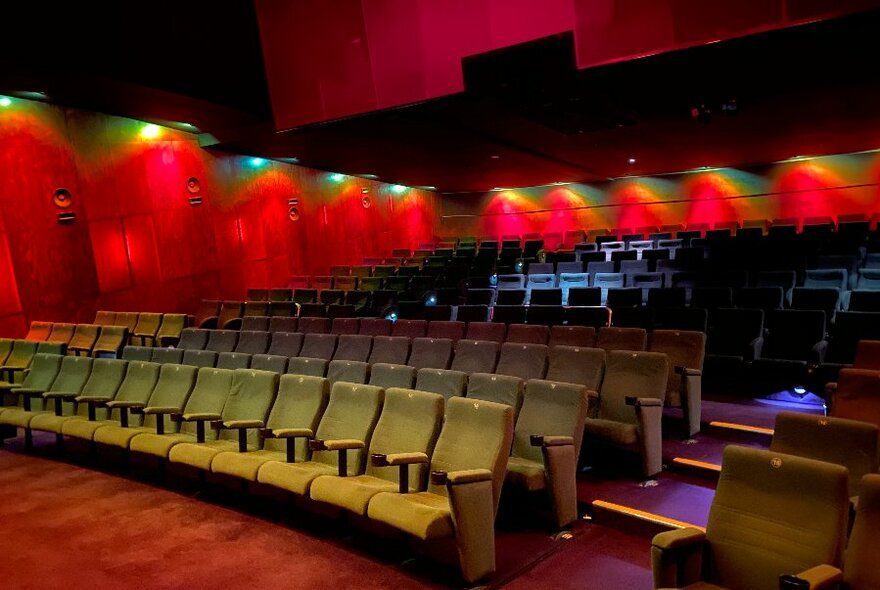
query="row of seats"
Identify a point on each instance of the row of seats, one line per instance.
(157, 328)
(16, 356)
(81, 339)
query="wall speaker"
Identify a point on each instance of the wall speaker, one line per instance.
(293, 213)
(193, 186)
(366, 201)
(62, 198)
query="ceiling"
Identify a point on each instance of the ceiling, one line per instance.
(527, 116)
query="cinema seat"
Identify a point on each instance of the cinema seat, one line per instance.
(129, 319)
(399, 452)
(294, 417)
(339, 444)
(348, 371)
(863, 552)
(61, 333)
(857, 396)
(344, 325)
(170, 392)
(207, 314)
(447, 329)
(43, 370)
(103, 382)
(252, 342)
(111, 341)
(165, 356)
(430, 353)
(319, 346)
(795, 340)
(199, 358)
(447, 383)
(621, 338)
(189, 422)
(286, 344)
(528, 334)
(475, 356)
(314, 325)
(269, 362)
(390, 349)
(486, 331)
(105, 318)
(83, 340)
(851, 443)
(388, 375)
(546, 444)
(57, 399)
(772, 515)
(630, 405)
(462, 497)
(307, 366)
(686, 351)
(283, 324)
(353, 347)
(147, 327)
(193, 339)
(137, 353)
(222, 340)
(867, 355)
(576, 364)
(243, 414)
(501, 389)
(38, 332)
(233, 360)
(170, 329)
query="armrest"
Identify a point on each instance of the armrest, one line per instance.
(537, 440)
(93, 399)
(463, 476)
(676, 557)
(688, 371)
(649, 419)
(126, 404)
(818, 351)
(239, 424)
(60, 395)
(200, 417)
(342, 445)
(291, 434)
(161, 410)
(26, 391)
(406, 458)
(401, 460)
(643, 402)
(819, 577)
(592, 403)
(208, 323)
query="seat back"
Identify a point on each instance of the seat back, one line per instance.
(857, 396)
(257, 294)
(773, 514)
(410, 423)
(307, 366)
(390, 349)
(44, 370)
(300, 403)
(286, 344)
(683, 348)
(137, 353)
(280, 294)
(549, 409)
(319, 346)
(233, 360)
(430, 353)
(269, 362)
(167, 355)
(447, 383)
(343, 326)
(830, 278)
(250, 397)
(172, 390)
(583, 336)
(868, 355)
(104, 381)
(853, 444)
(863, 551)
(171, 327)
(252, 342)
(103, 318)
(576, 364)
(193, 339)
(353, 347)
(475, 435)
(528, 333)
(487, 331)
(631, 374)
(208, 311)
(447, 329)
(731, 331)
(352, 412)
(502, 389)
(137, 386)
(375, 327)
(283, 324)
(526, 361)
(314, 325)
(230, 311)
(208, 397)
(128, 319)
(148, 324)
(72, 377)
(392, 375)
(610, 338)
(869, 279)
(349, 371)
(410, 328)
(792, 333)
(475, 356)
(61, 333)
(111, 340)
(38, 331)
(222, 340)
(84, 337)
(199, 358)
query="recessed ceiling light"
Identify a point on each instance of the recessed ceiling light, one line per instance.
(495, 157)
(632, 160)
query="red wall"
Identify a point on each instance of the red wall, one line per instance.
(377, 54)
(137, 244)
(825, 186)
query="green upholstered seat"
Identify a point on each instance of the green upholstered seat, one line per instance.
(84, 338)
(410, 423)
(348, 371)
(502, 389)
(472, 451)
(171, 391)
(170, 328)
(389, 375)
(526, 361)
(137, 353)
(147, 327)
(556, 412)
(140, 379)
(447, 383)
(772, 514)
(44, 368)
(312, 367)
(351, 414)
(685, 351)
(631, 404)
(61, 333)
(103, 382)
(299, 405)
(207, 399)
(111, 341)
(6, 348)
(247, 407)
(70, 380)
(577, 364)
(19, 359)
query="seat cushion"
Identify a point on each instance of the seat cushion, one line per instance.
(158, 444)
(525, 473)
(352, 493)
(244, 465)
(619, 433)
(424, 515)
(293, 477)
(84, 429)
(51, 422)
(200, 455)
(117, 436)
(18, 417)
